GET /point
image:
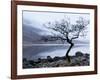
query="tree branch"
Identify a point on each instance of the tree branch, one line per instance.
(75, 36)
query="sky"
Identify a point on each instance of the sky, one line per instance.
(37, 19)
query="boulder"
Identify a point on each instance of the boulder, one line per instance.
(56, 58)
(24, 59)
(31, 62)
(44, 60)
(49, 59)
(25, 62)
(64, 57)
(37, 61)
(87, 55)
(78, 54)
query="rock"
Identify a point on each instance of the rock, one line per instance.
(37, 61)
(56, 63)
(31, 62)
(64, 57)
(87, 56)
(79, 59)
(79, 54)
(56, 58)
(49, 59)
(83, 59)
(27, 64)
(73, 64)
(44, 60)
(24, 59)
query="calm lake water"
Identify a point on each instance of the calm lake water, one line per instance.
(35, 51)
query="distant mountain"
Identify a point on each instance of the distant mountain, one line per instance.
(80, 42)
(33, 35)
(30, 33)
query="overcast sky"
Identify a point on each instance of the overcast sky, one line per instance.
(37, 19)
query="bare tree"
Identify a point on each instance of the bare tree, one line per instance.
(64, 30)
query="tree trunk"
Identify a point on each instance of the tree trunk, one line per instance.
(67, 56)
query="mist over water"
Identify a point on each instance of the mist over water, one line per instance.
(32, 52)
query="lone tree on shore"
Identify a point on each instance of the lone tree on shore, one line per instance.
(64, 30)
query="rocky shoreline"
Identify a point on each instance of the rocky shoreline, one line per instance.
(80, 59)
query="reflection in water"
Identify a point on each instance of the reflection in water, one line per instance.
(42, 51)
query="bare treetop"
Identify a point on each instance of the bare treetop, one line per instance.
(67, 31)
